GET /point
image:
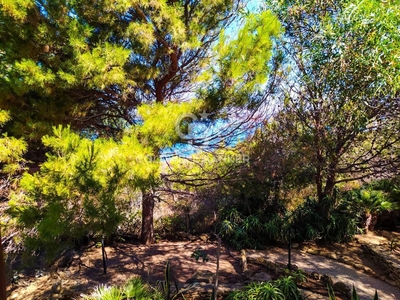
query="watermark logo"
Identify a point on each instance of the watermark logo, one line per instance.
(186, 123)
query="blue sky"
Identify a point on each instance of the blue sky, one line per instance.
(212, 129)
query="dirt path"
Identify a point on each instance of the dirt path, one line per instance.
(364, 284)
(128, 260)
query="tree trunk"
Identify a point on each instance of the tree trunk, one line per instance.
(2, 273)
(147, 218)
(374, 220)
(276, 198)
(325, 195)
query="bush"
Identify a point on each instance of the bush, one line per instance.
(288, 287)
(170, 224)
(134, 289)
(340, 225)
(253, 231)
(281, 289)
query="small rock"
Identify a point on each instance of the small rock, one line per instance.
(204, 237)
(368, 270)
(342, 288)
(313, 251)
(315, 275)
(331, 255)
(326, 279)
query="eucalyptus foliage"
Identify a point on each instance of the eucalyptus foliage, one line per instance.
(340, 86)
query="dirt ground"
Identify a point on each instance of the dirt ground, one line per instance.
(126, 260)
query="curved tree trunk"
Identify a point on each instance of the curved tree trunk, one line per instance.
(374, 220)
(2, 273)
(147, 218)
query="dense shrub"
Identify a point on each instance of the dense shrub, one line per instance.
(134, 289)
(281, 289)
(252, 231)
(339, 226)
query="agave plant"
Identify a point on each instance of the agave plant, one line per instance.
(164, 286)
(265, 291)
(136, 289)
(104, 292)
(288, 288)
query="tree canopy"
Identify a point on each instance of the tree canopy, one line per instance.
(340, 86)
(89, 64)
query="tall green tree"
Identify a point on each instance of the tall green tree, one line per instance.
(79, 187)
(340, 86)
(11, 164)
(91, 64)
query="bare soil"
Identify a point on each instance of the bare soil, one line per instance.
(127, 260)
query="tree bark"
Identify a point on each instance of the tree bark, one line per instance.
(2, 273)
(147, 233)
(276, 198)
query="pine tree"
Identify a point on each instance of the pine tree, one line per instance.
(91, 64)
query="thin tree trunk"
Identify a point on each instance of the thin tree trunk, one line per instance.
(318, 181)
(215, 288)
(2, 273)
(103, 252)
(275, 201)
(147, 218)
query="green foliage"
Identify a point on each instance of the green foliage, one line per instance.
(241, 67)
(340, 226)
(331, 293)
(104, 59)
(164, 287)
(288, 287)
(389, 187)
(339, 89)
(197, 254)
(354, 295)
(78, 188)
(371, 200)
(376, 295)
(253, 231)
(171, 116)
(11, 149)
(283, 288)
(298, 276)
(170, 224)
(133, 289)
(107, 293)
